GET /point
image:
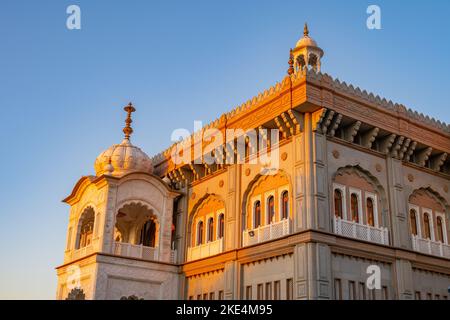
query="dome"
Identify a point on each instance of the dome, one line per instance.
(123, 158)
(306, 41)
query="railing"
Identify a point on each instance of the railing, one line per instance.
(205, 250)
(82, 252)
(266, 233)
(427, 246)
(125, 250)
(135, 251)
(359, 231)
(85, 251)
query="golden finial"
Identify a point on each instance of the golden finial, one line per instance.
(291, 63)
(305, 30)
(127, 129)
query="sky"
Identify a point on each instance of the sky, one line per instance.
(62, 91)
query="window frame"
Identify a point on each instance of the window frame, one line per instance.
(431, 221)
(218, 236)
(209, 232)
(374, 199)
(343, 190)
(197, 233)
(267, 195)
(418, 219)
(358, 194)
(444, 226)
(254, 214)
(253, 201)
(281, 191)
(268, 220)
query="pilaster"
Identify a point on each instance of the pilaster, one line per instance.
(181, 230)
(404, 278)
(109, 219)
(231, 280)
(400, 235)
(312, 271)
(233, 232)
(310, 169)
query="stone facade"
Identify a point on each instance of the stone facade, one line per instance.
(361, 182)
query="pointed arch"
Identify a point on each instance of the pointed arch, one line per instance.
(378, 189)
(137, 222)
(434, 195)
(208, 204)
(283, 180)
(432, 211)
(85, 227)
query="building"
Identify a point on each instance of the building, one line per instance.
(360, 182)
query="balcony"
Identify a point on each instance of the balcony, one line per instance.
(359, 231)
(135, 251)
(435, 248)
(268, 232)
(85, 251)
(82, 252)
(140, 252)
(205, 250)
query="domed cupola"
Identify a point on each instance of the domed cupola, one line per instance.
(123, 158)
(307, 54)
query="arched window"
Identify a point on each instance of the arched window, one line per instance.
(247, 147)
(301, 61)
(439, 229)
(354, 207)
(413, 220)
(210, 229)
(312, 61)
(200, 233)
(426, 226)
(86, 228)
(221, 226)
(270, 209)
(370, 214)
(338, 203)
(257, 214)
(148, 232)
(285, 205)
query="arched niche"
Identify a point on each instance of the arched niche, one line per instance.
(209, 203)
(427, 197)
(85, 228)
(357, 178)
(137, 223)
(429, 212)
(276, 185)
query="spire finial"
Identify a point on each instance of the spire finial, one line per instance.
(291, 63)
(305, 30)
(127, 129)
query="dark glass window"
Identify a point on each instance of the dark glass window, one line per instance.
(285, 205)
(257, 214)
(354, 207)
(338, 203)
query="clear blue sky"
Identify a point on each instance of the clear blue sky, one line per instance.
(62, 92)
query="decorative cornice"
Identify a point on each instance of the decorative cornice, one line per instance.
(375, 99)
(320, 79)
